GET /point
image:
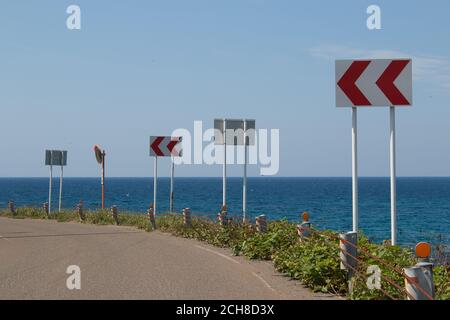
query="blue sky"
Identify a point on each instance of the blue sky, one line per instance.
(141, 68)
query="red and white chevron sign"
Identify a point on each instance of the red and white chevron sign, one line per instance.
(165, 147)
(378, 82)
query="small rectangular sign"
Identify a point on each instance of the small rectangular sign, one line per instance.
(235, 129)
(161, 146)
(55, 158)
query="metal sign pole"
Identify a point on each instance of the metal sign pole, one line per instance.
(393, 178)
(172, 171)
(50, 190)
(224, 200)
(244, 187)
(60, 188)
(155, 179)
(355, 169)
(103, 179)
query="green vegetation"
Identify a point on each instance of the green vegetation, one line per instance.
(314, 262)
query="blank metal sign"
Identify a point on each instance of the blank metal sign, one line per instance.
(55, 158)
(235, 131)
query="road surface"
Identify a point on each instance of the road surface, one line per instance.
(126, 263)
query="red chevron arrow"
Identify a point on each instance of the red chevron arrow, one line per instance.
(155, 146)
(386, 82)
(348, 86)
(172, 145)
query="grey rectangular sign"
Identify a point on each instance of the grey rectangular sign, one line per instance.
(55, 158)
(234, 131)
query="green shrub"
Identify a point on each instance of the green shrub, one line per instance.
(25, 212)
(64, 216)
(205, 230)
(139, 221)
(315, 262)
(442, 282)
(279, 236)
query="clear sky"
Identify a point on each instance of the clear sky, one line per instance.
(141, 68)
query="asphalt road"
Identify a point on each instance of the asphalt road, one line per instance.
(125, 263)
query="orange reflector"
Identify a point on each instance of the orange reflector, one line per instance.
(305, 216)
(423, 250)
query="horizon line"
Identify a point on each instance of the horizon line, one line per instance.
(151, 177)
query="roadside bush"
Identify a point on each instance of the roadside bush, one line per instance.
(315, 262)
(25, 212)
(139, 221)
(279, 236)
(395, 259)
(205, 230)
(442, 282)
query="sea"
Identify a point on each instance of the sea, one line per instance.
(423, 204)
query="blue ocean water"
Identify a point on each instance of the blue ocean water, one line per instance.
(423, 203)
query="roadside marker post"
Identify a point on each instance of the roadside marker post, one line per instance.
(155, 183)
(187, 217)
(11, 207)
(115, 214)
(421, 275)
(79, 209)
(367, 83)
(48, 162)
(55, 158)
(100, 156)
(60, 188)
(163, 146)
(222, 216)
(50, 191)
(172, 172)
(151, 218)
(63, 163)
(393, 175)
(304, 229)
(355, 205)
(224, 181)
(419, 280)
(348, 252)
(45, 207)
(261, 223)
(103, 178)
(220, 138)
(244, 182)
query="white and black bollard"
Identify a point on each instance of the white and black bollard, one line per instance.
(304, 229)
(45, 206)
(115, 214)
(349, 252)
(79, 209)
(222, 216)
(261, 223)
(348, 255)
(11, 207)
(419, 281)
(151, 218)
(187, 217)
